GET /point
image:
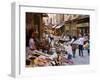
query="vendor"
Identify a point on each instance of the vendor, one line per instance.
(32, 42)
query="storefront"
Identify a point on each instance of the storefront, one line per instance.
(84, 30)
(83, 26)
(34, 23)
(76, 26)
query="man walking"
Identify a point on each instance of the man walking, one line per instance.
(81, 43)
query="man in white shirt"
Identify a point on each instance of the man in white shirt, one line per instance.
(81, 43)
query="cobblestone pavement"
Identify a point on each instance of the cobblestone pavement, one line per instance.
(81, 60)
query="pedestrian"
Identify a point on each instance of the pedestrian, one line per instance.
(81, 43)
(68, 50)
(87, 47)
(74, 45)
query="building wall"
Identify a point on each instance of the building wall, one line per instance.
(75, 27)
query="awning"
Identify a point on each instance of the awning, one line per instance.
(60, 25)
(54, 26)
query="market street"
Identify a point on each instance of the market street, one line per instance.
(53, 39)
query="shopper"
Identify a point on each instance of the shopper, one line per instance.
(81, 43)
(74, 45)
(87, 47)
(68, 50)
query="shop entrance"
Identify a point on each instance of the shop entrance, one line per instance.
(83, 30)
